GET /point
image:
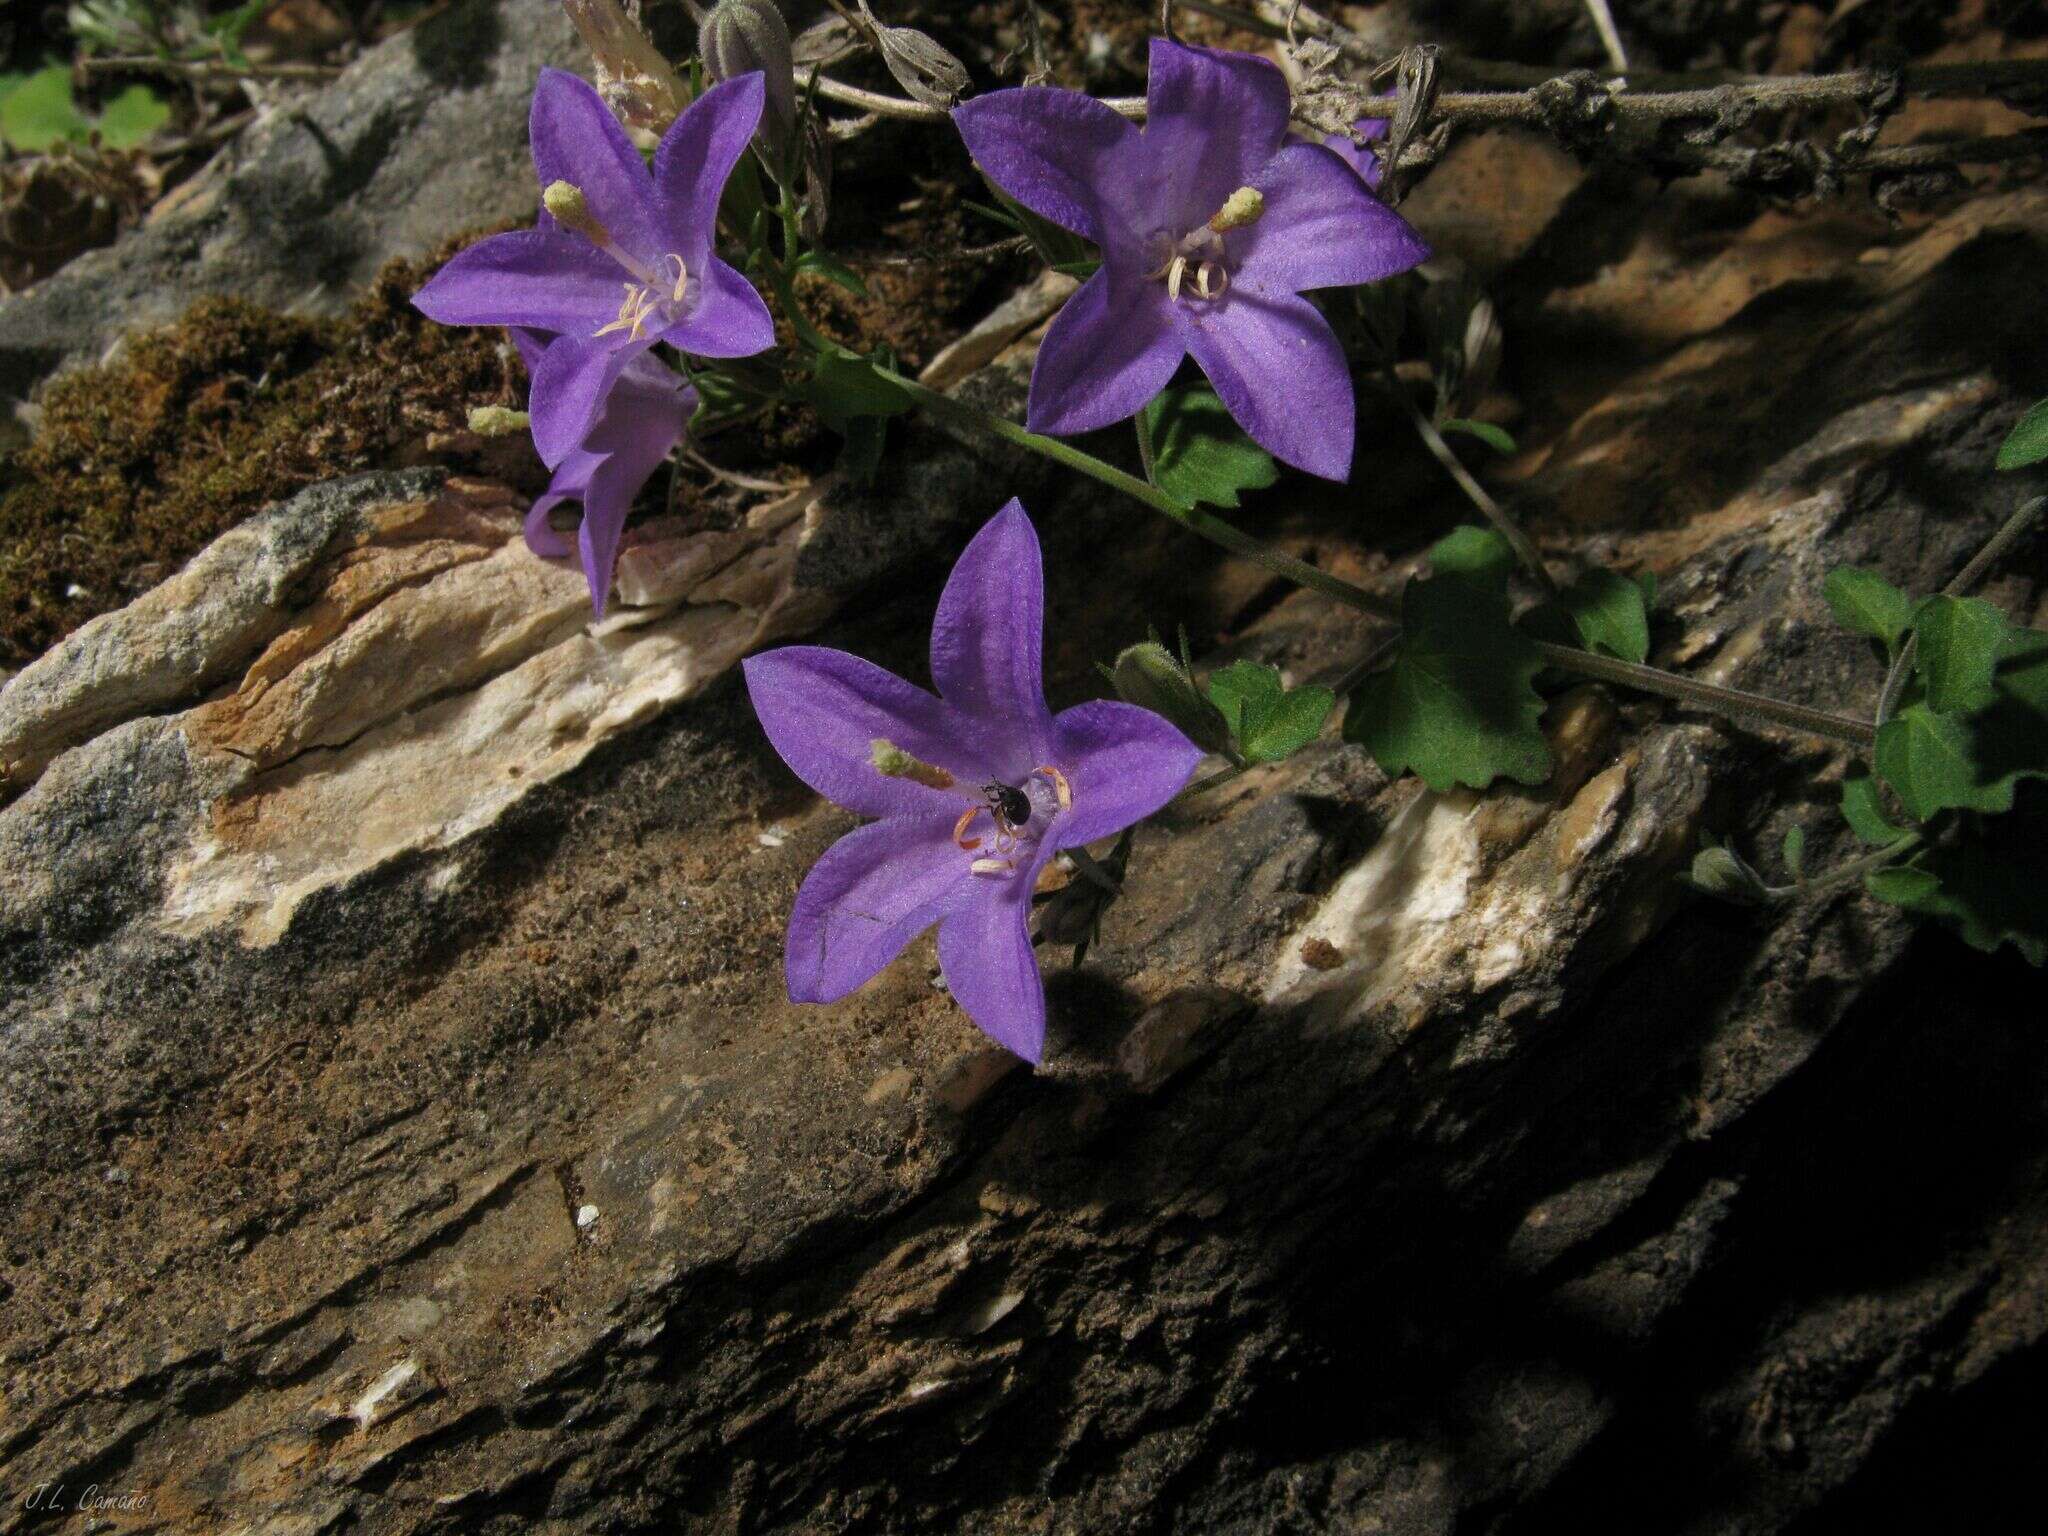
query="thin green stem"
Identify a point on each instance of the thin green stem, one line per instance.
(1841, 874)
(1195, 519)
(1708, 696)
(1145, 456)
(1505, 526)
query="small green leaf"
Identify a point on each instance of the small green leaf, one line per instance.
(1459, 705)
(1866, 603)
(832, 270)
(845, 388)
(1476, 555)
(1268, 720)
(1987, 886)
(1795, 851)
(1605, 611)
(1863, 809)
(1200, 453)
(1086, 268)
(1961, 639)
(1930, 761)
(1494, 437)
(38, 112)
(131, 117)
(2027, 443)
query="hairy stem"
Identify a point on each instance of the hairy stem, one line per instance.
(1505, 526)
(1841, 874)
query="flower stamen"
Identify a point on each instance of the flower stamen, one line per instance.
(992, 866)
(1060, 786)
(960, 828)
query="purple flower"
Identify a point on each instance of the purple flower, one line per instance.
(608, 227)
(1362, 158)
(1211, 226)
(976, 789)
(640, 421)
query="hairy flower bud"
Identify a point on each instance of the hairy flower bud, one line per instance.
(564, 203)
(738, 37)
(1720, 872)
(1242, 207)
(497, 420)
(926, 71)
(1151, 677)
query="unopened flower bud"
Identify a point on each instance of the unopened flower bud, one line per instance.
(741, 36)
(632, 76)
(564, 203)
(1720, 872)
(1151, 677)
(1242, 207)
(892, 762)
(926, 71)
(497, 420)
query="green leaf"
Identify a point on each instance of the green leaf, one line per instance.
(1866, 603)
(1458, 706)
(1987, 886)
(2027, 443)
(1267, 720)
(1795, 852)
(1863, 809)
(833, 270)
(2012, 734)
(1494, 437)
(1606, 611)
(38, 113)
(1961, 639)
(131, 117)
(1930, 761)
(1083, 269)
(1199, 452)
(1476, 555)
(862, 455)
(846, 388)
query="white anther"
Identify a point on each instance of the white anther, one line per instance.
(992, 866)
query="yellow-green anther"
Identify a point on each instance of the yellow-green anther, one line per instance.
(564, 200)
(1242, 207)
(497, 420)
(892, 762)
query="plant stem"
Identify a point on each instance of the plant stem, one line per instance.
(1841, 874)
(1195, 519)
(1627, 674)
(1708, 696)
(1505, 526)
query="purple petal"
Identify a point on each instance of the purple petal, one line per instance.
(874, 891)
(1111, 348)
(569, 387)
(986, 957)
(1360, 156)
(1212, 121)
(1059, 153)
(728, 319)
(1121, 762)
(531, 277)
(576, 139)
(823, 710)
(1321, 228)
(986, 645)
(641, 423)
(696, 156)
(542, 537)
(1277, 367)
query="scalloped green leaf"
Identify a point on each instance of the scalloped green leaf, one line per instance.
(1960, 642)
(2027, 443)
(1458, 705)
(1863, 809)
(1867, 604)
(1930, 761)
(1267, 720)
(1474, 554)
(1987, 886)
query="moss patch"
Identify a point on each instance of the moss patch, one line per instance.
(137, 465)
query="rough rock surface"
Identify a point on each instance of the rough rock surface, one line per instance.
(402, 1126)
(423, 138)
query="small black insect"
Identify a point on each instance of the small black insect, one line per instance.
(1010, 806)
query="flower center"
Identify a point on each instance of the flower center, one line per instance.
(658, 299)
(1010, 809)
(1195, 261)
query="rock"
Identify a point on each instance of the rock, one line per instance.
(422, 139)
(1401, 1160)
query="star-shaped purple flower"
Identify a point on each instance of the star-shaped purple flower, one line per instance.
(1211, 225)
(975, 790)
(637, 426)
(621, 230)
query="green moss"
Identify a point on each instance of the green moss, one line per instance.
(136, 465)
